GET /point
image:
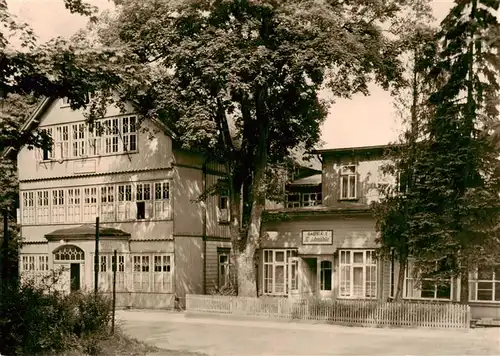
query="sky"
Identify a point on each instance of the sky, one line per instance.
(359, 121)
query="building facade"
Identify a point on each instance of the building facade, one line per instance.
(145, 191)
(322, 242)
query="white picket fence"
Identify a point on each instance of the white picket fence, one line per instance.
(353, 312)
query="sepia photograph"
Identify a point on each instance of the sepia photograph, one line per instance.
(249, 177)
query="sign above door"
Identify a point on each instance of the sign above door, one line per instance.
(317, 237)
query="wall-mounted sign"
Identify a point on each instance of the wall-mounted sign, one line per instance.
(317, 237)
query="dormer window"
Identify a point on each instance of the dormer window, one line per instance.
(348, 182)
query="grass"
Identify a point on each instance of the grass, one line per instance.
(121, 344)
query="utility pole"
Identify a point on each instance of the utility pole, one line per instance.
(115, 263)
(96, 257)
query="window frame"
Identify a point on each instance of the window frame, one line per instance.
(271, 266)
(495, 285)
(416, 281)
(350, 266)
(348, 175)
(223, 252)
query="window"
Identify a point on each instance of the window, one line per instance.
(424, 287)
(105, 269)
(48, 149)
(292, 200)
(42, 209)
(223, 208)
(311, 199)
(89, 204)
(74, 205)
(94, 139)
(485, 284)
(348, 182)
(162, 200)
(111, 135)
(107, 212)
(162, 274)
(223, 267)
(141, 273)
(34, 266)
(78, 140)
(58, 207)
(124, 202)
(69, 253)
(143, 201)
(325, 275)
(294, 272)
(276, 271)
(61, 142)
(129, 134)
(29, 211)
(358, 271)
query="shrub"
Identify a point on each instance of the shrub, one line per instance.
(36, 319)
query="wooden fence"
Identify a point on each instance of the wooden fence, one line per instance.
(353, 312)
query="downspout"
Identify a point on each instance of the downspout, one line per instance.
(204, 227)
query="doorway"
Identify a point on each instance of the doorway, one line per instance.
(75, 277)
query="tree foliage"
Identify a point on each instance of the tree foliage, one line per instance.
(238, 81)
(455, 209)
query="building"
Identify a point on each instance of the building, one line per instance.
(322, 242)
(145, 191)
(144, 188)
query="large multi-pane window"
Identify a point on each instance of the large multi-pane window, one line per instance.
(124, 209)
(348, 182)
(297, 200)
(42, 208)
(89, 204)
(29, 211)
(117, 135)
(358, 274)
(276, 265)
(58, 207)
(105, 270)
(107, 208)
(424, 286)
(114, 202)
(152, 273)
(34, 266)
(78, 136)
(485, 284)
(162, 200)
(74, 205)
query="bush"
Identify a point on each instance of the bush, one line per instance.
(35, 319)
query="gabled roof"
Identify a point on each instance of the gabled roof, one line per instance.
(35, 118)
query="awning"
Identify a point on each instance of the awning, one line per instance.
(86, 232)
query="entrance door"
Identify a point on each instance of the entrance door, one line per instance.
(294, 284)
(75, 277)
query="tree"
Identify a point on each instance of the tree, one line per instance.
(238, 81)
(456, 210)
(391, 212)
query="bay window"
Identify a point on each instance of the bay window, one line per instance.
(358, 274)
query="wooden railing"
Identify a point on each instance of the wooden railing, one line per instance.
(353, 312)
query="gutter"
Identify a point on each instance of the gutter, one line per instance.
(204, 227)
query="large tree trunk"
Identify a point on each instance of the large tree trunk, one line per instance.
(401, 279)
(464, 285)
